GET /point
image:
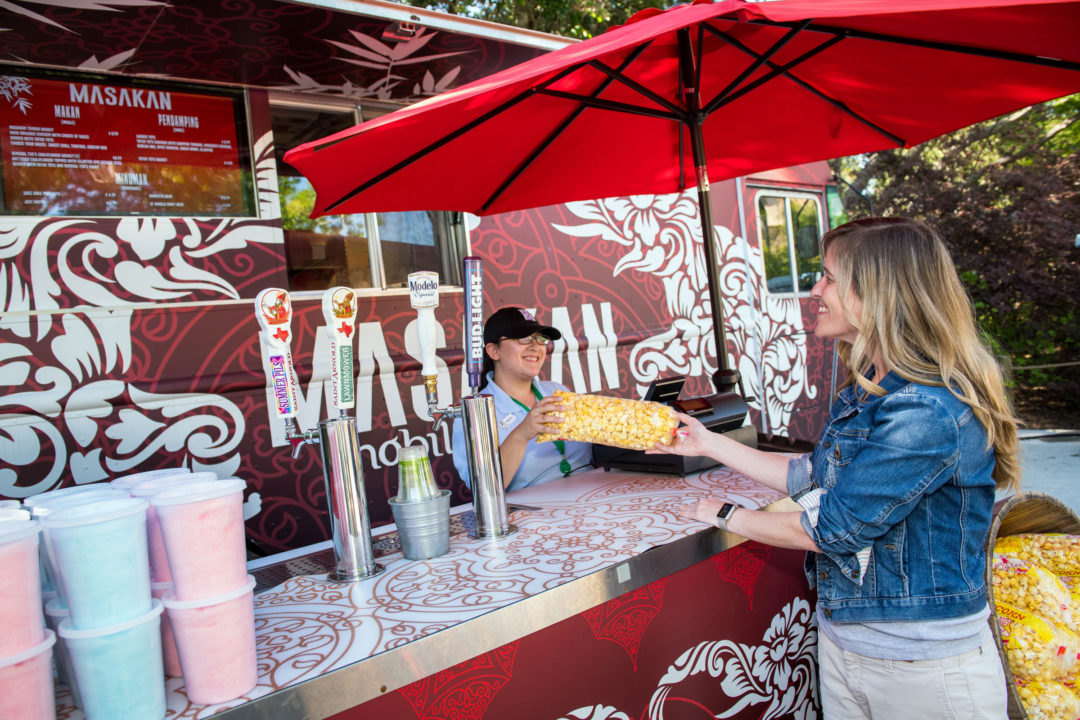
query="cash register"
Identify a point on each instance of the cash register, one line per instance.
(721, 412)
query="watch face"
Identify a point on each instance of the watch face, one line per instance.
(725, 510)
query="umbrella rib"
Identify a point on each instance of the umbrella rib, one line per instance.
(440, 142)
(752, 68)
(543, 145)
(934, 45)
(635, 85)
(610, 105)
(719, 102)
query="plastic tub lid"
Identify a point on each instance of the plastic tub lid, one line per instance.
(50, 639)
(152, 486)
(51, 505)
(14, 515)
(128, 480)
(14, 504)
(18, 530)
(68, 632)
(34, 500)
(94, 512)
(196, 492)
(54, 608)
(173, 604)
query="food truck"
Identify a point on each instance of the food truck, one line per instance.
(146, 205)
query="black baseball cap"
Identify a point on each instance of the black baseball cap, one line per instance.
(515, 322)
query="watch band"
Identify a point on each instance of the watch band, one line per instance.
(725, 513)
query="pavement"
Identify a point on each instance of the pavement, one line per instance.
(1050, 463)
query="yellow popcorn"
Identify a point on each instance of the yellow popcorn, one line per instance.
(1048, 700)
(1032, 588)
(1036, 648)
(1056, 552)
(631, 424)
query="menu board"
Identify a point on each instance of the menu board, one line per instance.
(72, 147)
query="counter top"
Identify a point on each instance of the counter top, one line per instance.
(324, 647)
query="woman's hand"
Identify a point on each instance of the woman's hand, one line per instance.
(692, 438)
(703, 510)
(540, 420)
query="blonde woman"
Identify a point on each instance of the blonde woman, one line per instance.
(898, 492)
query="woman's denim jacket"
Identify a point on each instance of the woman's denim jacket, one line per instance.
(898, 497)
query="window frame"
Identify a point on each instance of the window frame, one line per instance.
(360, 113)
(787, 194)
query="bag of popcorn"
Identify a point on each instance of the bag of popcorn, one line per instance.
(1033, 588)
(618, 422)
(1036, 648)
(1056, 552)
(1048, 700)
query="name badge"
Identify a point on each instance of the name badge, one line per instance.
(507, 420)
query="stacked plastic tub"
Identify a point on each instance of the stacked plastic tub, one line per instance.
(210, 605)
(26, 689)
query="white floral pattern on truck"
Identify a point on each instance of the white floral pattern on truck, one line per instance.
(662, 237)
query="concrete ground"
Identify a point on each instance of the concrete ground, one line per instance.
(1050, 461)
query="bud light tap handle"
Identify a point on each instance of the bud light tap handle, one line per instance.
(273, 308)
(424, 297)
(339, 312)
(474, 320)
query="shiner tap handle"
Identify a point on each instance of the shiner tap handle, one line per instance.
(273, 308)
(339, 312)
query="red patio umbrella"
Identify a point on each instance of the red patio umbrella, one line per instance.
(700, 92)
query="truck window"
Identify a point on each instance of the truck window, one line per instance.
(364, 250)
(789, 227)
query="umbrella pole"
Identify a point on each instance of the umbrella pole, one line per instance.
(724, 379)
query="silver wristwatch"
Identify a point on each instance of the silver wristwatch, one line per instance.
(725, 513)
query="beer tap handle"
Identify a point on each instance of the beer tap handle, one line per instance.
(424, 297)
(273, 309)
(473, 277)
(339, 312)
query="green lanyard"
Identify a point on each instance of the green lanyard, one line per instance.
(564, 465)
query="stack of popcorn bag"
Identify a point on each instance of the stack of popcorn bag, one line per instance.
(1038, 608)
(26, 688)
(210, 604)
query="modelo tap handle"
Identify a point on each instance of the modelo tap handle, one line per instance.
(273, 309)
(424, 298)
(339, 312)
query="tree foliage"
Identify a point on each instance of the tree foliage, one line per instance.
(569, 18)
(1005, 195)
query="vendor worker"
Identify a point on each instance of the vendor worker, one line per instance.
(515, 348)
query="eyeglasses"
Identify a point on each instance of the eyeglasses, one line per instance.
(540, 340)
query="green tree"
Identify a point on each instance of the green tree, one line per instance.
(1005, 195)
(569, 18)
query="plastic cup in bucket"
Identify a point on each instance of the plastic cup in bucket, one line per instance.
(216, 641)
(21, 621)
(118, 668)
(127, 481)
(203, 527)
(100, 553)
(159, 560)
(47, 505)
(423, 527)
(26, 683)
(169, 657)
(416, 483)
(55, 614)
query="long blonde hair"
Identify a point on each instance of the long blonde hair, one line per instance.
(917, 318)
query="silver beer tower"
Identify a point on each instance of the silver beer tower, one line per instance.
(477, 411)
(354, 558)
